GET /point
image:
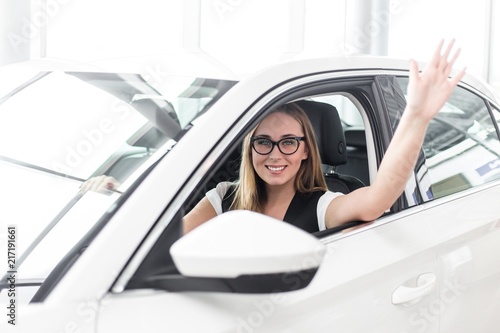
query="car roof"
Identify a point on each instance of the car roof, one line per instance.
(368, 63)
(204, 65)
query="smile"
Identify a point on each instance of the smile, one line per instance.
(275, 169)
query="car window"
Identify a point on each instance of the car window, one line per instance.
(91, 128)
(353, 125)
(58, 129)
(461, 146)
(496, 115)
(348, 112)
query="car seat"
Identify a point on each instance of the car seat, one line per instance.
(331, 143)
(357, 156)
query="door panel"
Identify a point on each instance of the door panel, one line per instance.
(352, 292)
(364, 270)
(469, 262)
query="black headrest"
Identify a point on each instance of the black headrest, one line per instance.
(328, 129)
(355, 137)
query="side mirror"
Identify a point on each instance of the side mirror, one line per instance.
(248, 252)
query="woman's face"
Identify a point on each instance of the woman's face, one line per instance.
(276, 168)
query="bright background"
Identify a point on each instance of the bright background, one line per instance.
(245, 35)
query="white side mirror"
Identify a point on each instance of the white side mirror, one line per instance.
(244, 243)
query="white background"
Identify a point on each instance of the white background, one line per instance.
(245, 35)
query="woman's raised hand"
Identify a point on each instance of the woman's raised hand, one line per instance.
(429, 90)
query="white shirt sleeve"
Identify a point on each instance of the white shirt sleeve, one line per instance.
(216, 195)
(323, 203)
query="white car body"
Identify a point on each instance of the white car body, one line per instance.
(430, 267)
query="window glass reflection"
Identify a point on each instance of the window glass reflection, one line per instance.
(461, 146)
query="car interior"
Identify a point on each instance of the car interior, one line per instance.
(335, 152)
(342, 150)
(333, 146)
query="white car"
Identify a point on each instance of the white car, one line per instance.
(118, 262)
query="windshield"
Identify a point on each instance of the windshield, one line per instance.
(58, 129)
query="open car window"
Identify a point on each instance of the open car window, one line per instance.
(157, 270)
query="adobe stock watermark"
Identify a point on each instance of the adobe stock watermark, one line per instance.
(223, 7)
(39, 19)
(265, 308)
(91, 139)
(85, 317)
(363, 35)
(427, 315)
(153, 74)
(11, 276)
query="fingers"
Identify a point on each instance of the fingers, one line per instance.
(443, 59)
(437, 55)
(451, 63)
(87, 185)
(442, 64)
(429, 89)
(458, 77)
(413, 70)
(101, 184)
(440, 60)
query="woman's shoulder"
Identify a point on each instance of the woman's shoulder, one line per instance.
(223, 187)
(327, 196)
(330, 194)
(220, 190)
(217, 194)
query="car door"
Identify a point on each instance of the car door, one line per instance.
(462, 176)
(378, 278)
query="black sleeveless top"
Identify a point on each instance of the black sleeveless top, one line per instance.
(301, 213)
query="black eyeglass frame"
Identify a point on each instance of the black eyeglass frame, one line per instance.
(276, 143)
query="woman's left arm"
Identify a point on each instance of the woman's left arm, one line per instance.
(427, 93)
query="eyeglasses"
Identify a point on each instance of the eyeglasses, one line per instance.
(286, 146)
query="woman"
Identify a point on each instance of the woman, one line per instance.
(280, 161)
(280, 172)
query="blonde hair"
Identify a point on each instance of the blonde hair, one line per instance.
(250, 190)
